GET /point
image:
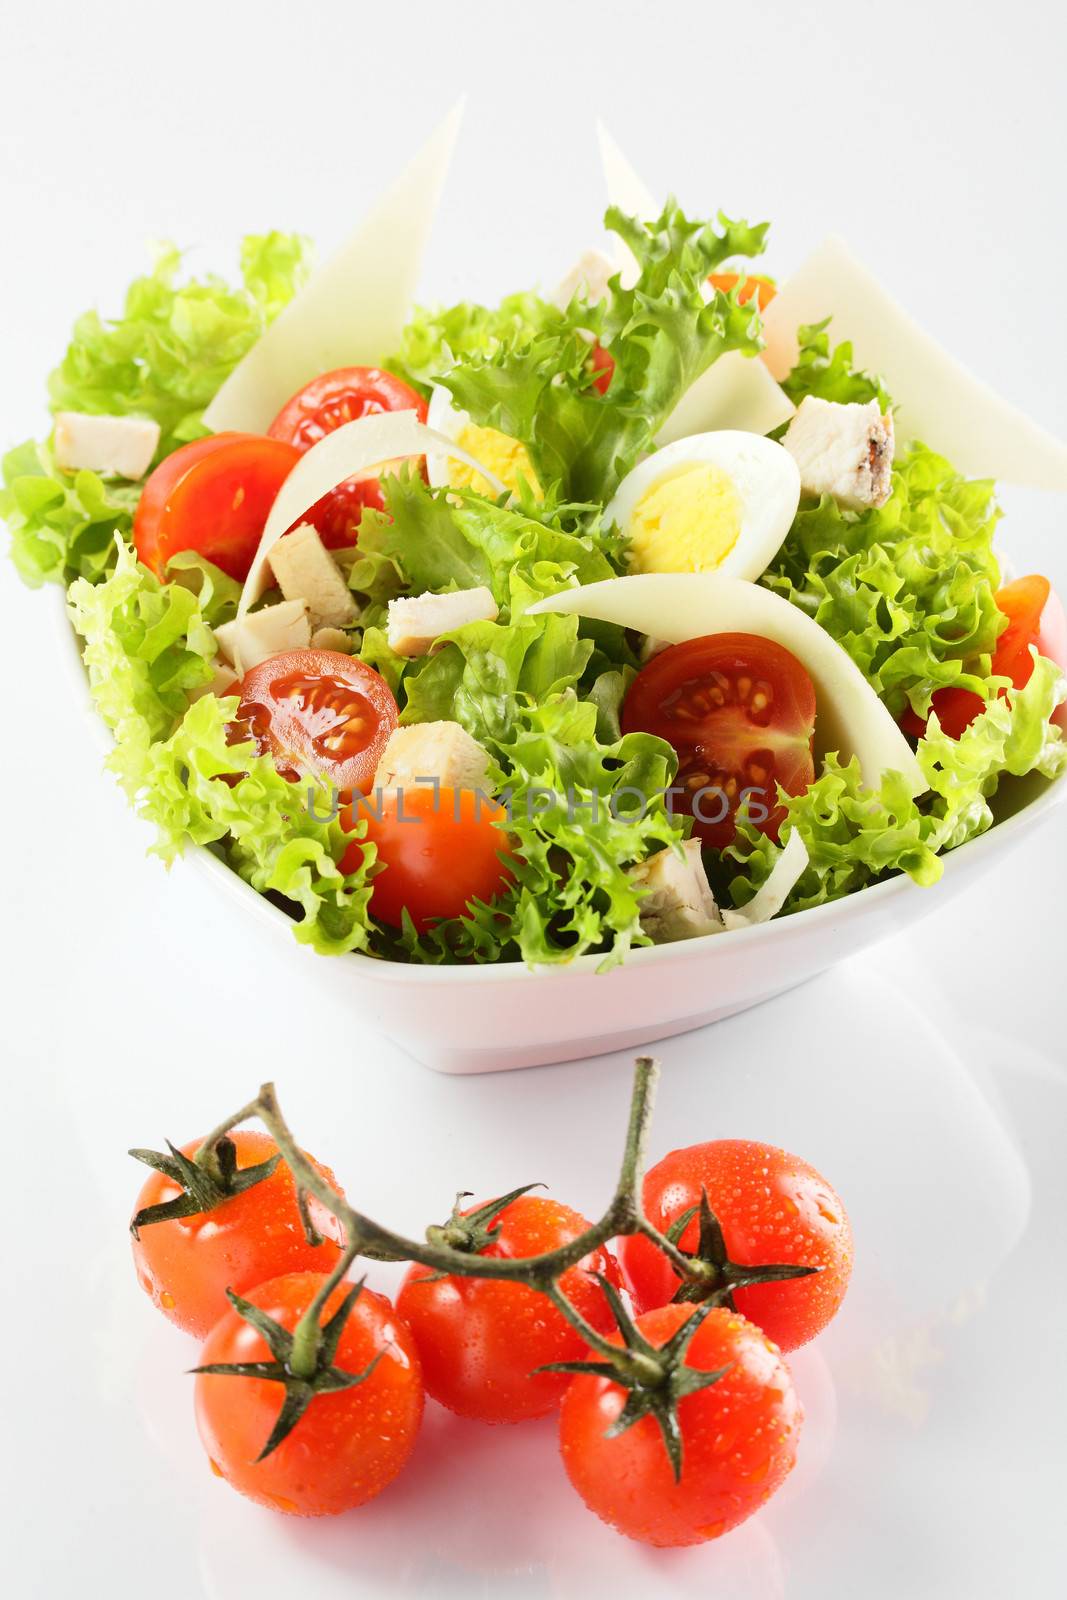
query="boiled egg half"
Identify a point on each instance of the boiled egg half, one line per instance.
(713, 502)
(497, 451)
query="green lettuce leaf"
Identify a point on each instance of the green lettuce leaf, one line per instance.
(436, 338)
(146, 652)
(829, 374)
(662, 335)
(855, 836)
(908, 588)
(165, 357)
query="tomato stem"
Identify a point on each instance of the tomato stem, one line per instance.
(207, 1155)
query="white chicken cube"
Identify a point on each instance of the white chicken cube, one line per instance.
(590, 274)
(223, 681)
(843, 450)
(678, 903)
(248, 640)
(116, 447)
(331, 639)
(416, 624)
(444, 751)
(305, 570)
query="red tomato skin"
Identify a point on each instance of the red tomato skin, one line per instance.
(479, 1338)
(185, 1266)
(439, 850)
(1035, 617)
(739, 1437)
(348, 1446)
(773, 1207)
(733, 744)
(326, 403)
(603, 364)
(282, 728)
(212, 495)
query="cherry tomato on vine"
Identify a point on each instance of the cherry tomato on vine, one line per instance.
(440, 849)
(739, 1436)
(186, 1263)
(1035, 617)
(480, 1339)
(772, 1208)
(326, 403)
(740, 712)
(348, 1445)
(211, 496)
(317, 711)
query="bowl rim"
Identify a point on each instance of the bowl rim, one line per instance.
(700, 948)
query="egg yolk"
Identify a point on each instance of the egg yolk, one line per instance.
(500, 453)
(688, 521)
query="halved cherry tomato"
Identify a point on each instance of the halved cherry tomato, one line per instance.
(479, 1339)
(762, 288)
(440, 847)
(603, 364)
(319, 712)
(326, 403)
(740, 712)
(739, 1436)
(1035, 617)
(772, 1208)
(349, 1444)
(211, 496)
(186, 1264)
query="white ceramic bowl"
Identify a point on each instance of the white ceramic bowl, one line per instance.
(489, 1018)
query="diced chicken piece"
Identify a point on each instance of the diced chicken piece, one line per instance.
(265, 633)
(223, 680)
(843, 450)
(305, 570)
(441, 750)
(416, 624)
(679, 903)
(116, 447)
(331, 639)
(589, 275)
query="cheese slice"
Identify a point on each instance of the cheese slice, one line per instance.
(355, 448)
(938, 400)
(737, 392)
(625, 190)
(353, 309)
(674, 607)
(771, 896)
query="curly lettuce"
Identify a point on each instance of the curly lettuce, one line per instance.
(829, 374)
(662, 335)
(164, 358)
(907, 589)
(856, 836)
(147, 649)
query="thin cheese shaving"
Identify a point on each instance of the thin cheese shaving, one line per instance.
(772, 895)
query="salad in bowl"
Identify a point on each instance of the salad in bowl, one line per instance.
(631, 613)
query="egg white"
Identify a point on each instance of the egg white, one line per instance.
(446, 417)
(764, 475)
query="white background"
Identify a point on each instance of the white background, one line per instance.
(927, 1079)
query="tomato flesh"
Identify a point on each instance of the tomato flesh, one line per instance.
(317, 712)
(440, 849)
(212, 496)
(739, 1437)
(186, 1264)
(740, 712)
(1035, 618)
(479, 1339)
(773, 1208)
(603, 364)
(348, 1445)
(762, 289)
(326, 403)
